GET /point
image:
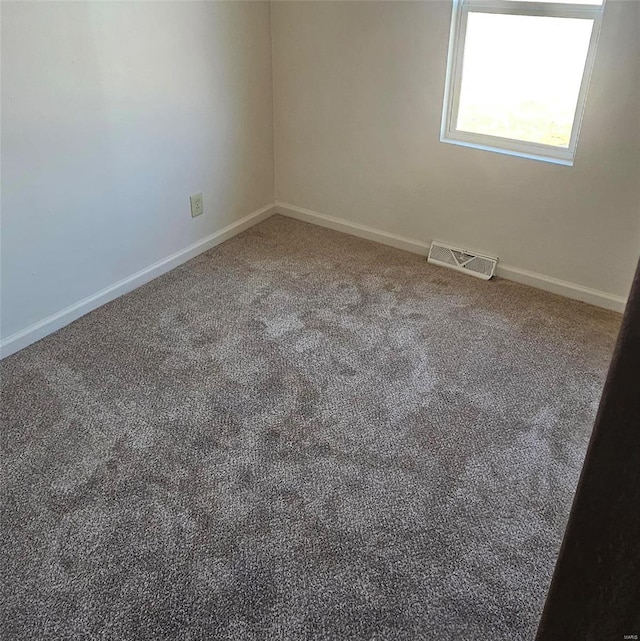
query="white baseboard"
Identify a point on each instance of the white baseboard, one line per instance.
(355, 229)
(509, 272)
(562, 287)
(39, 330)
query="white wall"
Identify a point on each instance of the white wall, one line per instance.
(358, 90)
(112, 115)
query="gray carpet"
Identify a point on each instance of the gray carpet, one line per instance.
(297, 435)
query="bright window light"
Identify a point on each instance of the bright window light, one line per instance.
(518, 74)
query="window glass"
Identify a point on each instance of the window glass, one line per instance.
(521, 76)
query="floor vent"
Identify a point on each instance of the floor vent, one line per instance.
(462, 260)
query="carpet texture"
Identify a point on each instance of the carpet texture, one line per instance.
(297, 435)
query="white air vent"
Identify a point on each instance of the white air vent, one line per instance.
(462, 260)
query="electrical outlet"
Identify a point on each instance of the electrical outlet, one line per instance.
(197, 206)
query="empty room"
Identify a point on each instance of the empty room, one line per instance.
(320, 320)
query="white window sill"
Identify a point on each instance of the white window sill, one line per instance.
(567, 162)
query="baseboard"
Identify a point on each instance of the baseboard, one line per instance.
(562, 287)
(56, 321)
(43, 328)
(509, 272)
(355, 229)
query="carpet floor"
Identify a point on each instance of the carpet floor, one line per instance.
(297, 435)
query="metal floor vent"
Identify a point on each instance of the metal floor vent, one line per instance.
(462, 260)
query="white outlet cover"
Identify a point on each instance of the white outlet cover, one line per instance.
(197, 206)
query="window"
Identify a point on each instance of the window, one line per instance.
(517, 75)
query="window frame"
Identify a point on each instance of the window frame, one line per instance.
(453, 82)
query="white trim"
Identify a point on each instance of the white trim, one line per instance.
(56, 321)
(508, 272)
(543, 9)
(355, 229)
(43, 328)
(562, 287)
(567, 162)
